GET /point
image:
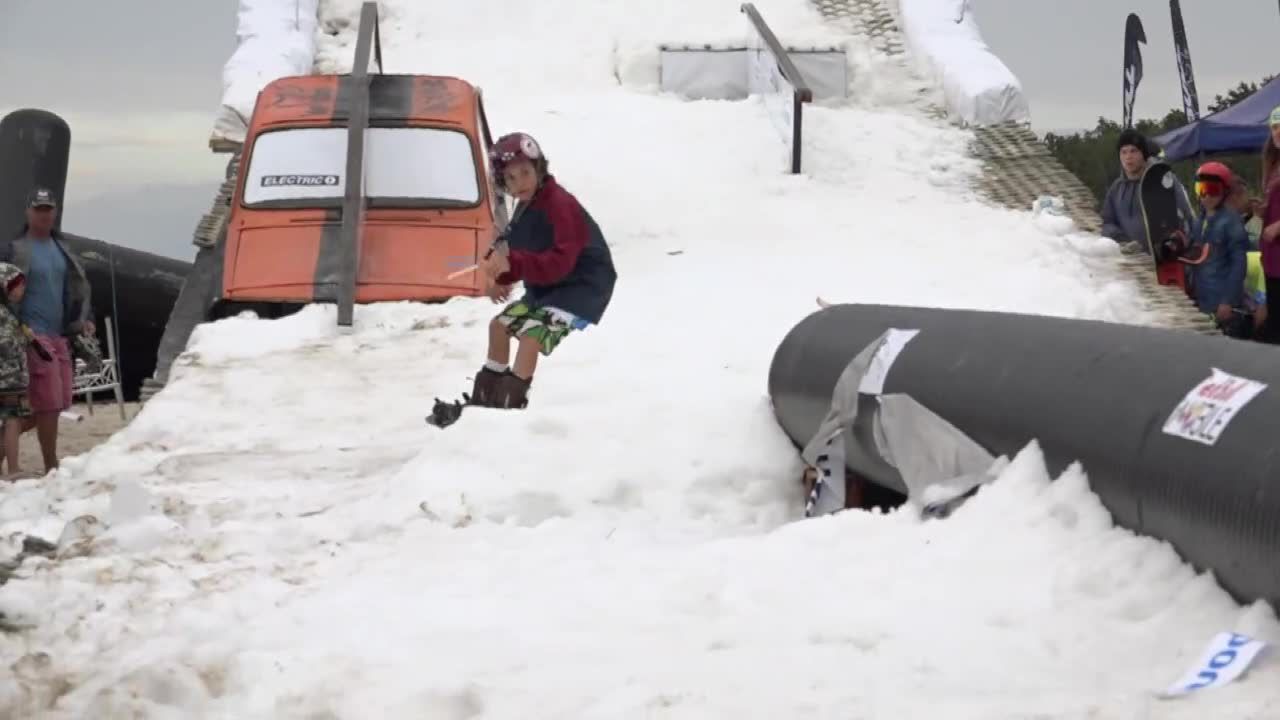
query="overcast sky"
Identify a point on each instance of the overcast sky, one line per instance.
(139, 81)
(1069, 54)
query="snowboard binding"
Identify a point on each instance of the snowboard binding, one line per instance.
(1178, 247)
(501, 391)
(444, 414)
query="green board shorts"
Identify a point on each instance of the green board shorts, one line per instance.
(545, 324)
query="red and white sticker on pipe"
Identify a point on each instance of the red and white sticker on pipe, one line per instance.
(1207, 410)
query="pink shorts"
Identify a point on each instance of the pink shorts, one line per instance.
(50, 389)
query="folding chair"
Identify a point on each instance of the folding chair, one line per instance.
(106, 378)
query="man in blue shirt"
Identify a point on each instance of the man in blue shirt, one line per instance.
(55, 306)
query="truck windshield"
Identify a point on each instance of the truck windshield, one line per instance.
(404, 167)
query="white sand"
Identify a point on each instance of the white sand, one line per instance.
(75, 438)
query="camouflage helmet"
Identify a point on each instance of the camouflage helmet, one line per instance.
(10, 275)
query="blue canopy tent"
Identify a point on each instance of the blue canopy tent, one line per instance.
(1241, 128)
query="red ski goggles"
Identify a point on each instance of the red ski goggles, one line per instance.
(1210, 186)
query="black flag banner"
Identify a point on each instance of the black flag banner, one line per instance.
(1190, 101)
(1133, 35)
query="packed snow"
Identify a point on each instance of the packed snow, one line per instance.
(947, 43)
(274, 38)
(278, 534)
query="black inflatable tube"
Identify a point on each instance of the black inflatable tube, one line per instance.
(35, 146)
(138, 289)
(1092, 392)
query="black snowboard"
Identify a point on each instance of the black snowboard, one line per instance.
(1158, 199)
(444, 414)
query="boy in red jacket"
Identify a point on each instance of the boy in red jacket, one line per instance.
(555, 248)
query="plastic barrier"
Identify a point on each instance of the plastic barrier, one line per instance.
(1176, 431)
(709, 72)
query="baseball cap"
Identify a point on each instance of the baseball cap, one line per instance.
(1275, 117)
(41, 197)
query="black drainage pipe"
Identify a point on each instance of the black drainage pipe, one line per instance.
(35, 148)
(1092, 392)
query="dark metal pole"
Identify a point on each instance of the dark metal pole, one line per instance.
(353, 201)
(801, 92)
(797, 124)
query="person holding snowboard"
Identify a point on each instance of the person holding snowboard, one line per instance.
(1219, 281)
(555, 248)
(1121, 208)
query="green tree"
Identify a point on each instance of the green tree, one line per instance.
(1236, 94)
(1092, 157)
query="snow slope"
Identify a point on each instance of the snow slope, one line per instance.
(279, 535)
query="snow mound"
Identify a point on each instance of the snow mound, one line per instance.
(275, 39)
(278, 534)
(614, 614)
(947, 44)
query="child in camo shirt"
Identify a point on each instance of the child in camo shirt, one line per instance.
(14, 377)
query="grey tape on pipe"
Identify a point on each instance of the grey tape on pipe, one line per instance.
(1098, 393)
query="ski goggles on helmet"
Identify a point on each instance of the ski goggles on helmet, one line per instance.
(504, 157)
(516, 146)
(1210, 186)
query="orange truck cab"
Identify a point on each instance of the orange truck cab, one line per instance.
(360, 188)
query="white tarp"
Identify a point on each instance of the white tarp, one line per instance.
(937, 463)
(276, 38)
(703, 74)
(722, 73)
(944, 37)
